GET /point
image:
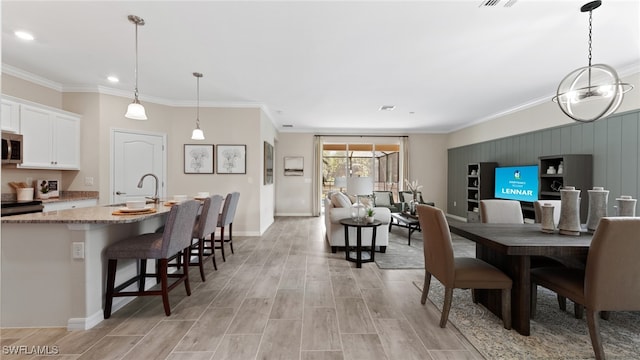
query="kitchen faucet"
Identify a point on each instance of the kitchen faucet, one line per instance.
(155, 196)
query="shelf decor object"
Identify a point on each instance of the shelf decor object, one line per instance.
(197, 133)
(598, 200)
(594, 91)
(569, 223)
(547, 221)
(135, 110)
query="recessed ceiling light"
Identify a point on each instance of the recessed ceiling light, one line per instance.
(113, 79)
(24, 35)
(387, 108)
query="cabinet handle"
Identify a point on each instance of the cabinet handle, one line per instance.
(120, 193)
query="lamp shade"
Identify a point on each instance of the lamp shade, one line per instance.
(197, 134)
(360, 186)
(135, 111)
(340, 182)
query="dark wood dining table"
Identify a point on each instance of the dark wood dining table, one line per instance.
(510, 247)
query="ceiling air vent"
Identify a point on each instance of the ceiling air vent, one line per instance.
(493, 3)
(287, 126)
(387, 108)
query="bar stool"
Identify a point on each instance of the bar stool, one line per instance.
(205, 225)
(176, 238)
(226, 219)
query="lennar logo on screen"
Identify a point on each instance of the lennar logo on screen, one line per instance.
(517, 192)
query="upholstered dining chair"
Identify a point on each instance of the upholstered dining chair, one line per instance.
(456, 272)
(225, 219)
(205, 225)
(610, 280)
(501, 211)
(175, 238)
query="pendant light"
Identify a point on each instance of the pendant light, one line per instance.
(135, 110)
(591, 92)
(197, 134)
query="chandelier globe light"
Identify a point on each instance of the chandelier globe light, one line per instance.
(197, 133)
(594, 91)
(135, 110)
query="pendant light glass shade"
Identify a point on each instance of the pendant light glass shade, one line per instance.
(591, 92)
(197, 133)
(135, 110)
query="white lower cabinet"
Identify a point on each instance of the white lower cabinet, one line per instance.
(64, 205)
(51, 139)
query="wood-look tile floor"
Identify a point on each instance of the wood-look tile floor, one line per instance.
(283, 295)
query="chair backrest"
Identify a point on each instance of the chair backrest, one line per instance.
(406, 196)
(179, 227)
(501, 212)
(229, 209)
(611, 279)
(438, 249)
(208, 219)
(537, 208)
(383, 198)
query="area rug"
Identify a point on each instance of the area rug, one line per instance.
(400, 255)
(555, 334)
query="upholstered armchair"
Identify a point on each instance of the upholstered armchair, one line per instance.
(385, 199)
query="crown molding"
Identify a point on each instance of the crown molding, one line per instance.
(36, 79)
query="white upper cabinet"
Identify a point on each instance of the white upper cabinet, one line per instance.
(10, 116)
(51, 139)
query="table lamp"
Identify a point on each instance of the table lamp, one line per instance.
(340, 183)
(359, 186)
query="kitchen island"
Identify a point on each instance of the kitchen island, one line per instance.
(53, 270)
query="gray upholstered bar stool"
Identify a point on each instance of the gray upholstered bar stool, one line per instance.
(176, 238)
(226, 220)
(205, 225)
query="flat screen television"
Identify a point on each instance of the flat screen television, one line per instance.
(517, 183)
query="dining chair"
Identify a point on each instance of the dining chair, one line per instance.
(456, 272)
(205, 225)
(610, 280)
(225, 219)
(501, 212)
(175, 238)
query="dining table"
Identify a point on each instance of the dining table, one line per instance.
(510, 247)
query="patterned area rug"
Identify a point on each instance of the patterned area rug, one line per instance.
(555, 334)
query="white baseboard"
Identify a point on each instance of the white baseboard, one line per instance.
(294, 214)
(456, 217)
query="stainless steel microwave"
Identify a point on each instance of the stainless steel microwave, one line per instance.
(11, 148)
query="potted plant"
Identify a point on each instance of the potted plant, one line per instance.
(44, 190)
(370, 212)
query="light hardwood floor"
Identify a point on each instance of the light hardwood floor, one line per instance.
(283, 295)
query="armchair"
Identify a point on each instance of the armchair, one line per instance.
(406, 196)
(385, 199)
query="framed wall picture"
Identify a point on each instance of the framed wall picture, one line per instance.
(293, 166)
(268, 163)
(231, 159)
(198, 159)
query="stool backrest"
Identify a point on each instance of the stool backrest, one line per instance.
(229, 209)
(208, 217)
(179, 227)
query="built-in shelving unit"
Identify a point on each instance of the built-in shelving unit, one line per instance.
(577, 170)
(480, 184)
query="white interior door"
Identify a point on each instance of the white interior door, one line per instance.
(134, 155)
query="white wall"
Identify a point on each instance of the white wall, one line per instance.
(294, 193)
(428, 165)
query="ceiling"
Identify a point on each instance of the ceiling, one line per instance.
(325, 66)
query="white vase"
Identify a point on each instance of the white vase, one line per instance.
(626, 206)
(547, 221)
(569, 223)
(370, 219)
(598, 199)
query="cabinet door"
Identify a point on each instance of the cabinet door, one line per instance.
(66, 146)
(36, 129)
(10, 116)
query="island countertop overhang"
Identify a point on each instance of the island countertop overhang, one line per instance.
(89, 215)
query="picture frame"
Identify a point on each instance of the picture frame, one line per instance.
(268, 163)
(231, 159)
(198, 158)
(293, 166)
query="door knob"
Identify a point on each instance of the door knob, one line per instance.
(120, 193)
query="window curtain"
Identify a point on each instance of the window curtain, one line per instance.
(404, 152)
(316, 206)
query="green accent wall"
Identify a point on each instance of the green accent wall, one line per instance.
(613, 142)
